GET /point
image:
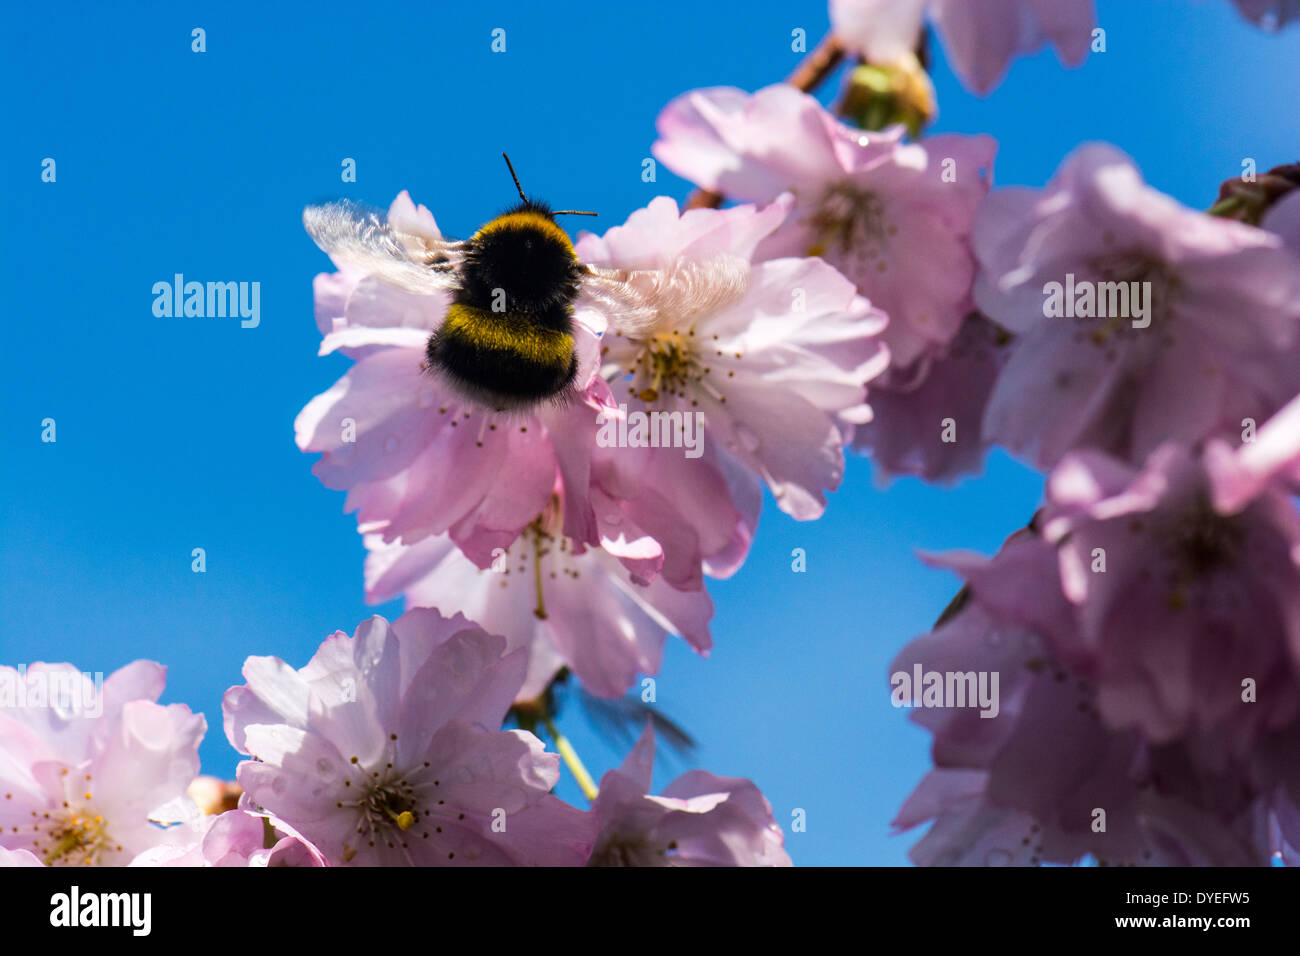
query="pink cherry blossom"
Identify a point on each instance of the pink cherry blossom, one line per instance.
(883, 31)
(1148, 642)
(894, 218)
(700, 512)
(237, 838)
(18, 858)
(1275, 451)
(980, 37)
(1283, 218)
(928, 420)
(1271, 456)
(90, 775)
(1222, 302)
(699, 820)
(1022, 787)
(568, 605)
(1165, 603)
(386, 749)
(776, 363)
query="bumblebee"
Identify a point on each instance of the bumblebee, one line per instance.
(507, 340)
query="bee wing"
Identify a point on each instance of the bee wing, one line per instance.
(634, 299)
(623, 718)
(360, 236)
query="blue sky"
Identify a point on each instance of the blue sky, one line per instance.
(176, 433)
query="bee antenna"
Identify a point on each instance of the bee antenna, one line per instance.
(511, 167)
(572, 212)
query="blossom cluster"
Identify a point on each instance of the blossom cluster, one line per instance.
(1144, 623)
(387, 748)
(981, 37)
(868, 290)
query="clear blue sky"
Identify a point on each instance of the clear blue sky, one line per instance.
(177, 433)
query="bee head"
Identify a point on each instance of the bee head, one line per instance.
(524, 252)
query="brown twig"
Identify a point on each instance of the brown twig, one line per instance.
(704, 199)
(817, 65)
(807, 76)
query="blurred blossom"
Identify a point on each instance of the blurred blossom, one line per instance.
(1149, 647)
(1270, 14)
(1024, 788)
(237, 838)
(570, 606)
(1212, 343)
(1283, 218)
(699, 820)
(928, 420)
(1161, 600)
(1271, 457)
(18, 858)
(213, 795)
(980, 37)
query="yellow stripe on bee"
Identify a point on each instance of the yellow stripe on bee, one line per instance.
(503, 332)
(528, 220)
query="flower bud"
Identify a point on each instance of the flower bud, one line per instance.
(1248, 201)
(879, 95)
(214, 795)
